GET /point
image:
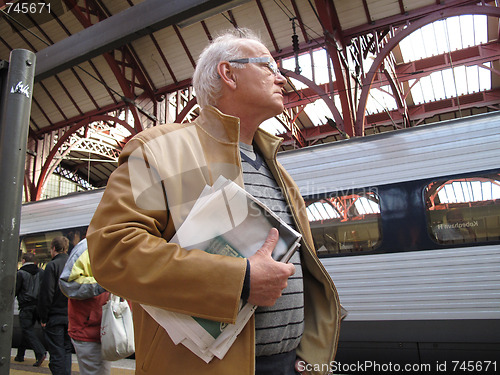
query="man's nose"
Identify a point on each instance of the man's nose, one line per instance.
(280, 79)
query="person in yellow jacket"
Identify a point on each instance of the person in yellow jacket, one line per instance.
(161, 173)
(85, 301)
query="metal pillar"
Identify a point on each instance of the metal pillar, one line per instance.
(15, 107)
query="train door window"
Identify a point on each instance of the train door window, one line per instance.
(464, 210)
(39, 243)
(345, 223)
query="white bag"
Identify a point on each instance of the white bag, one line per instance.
(117, 330)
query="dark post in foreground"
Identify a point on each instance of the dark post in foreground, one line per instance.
(16, 89)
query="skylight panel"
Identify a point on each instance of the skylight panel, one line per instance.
(472, 73)
(273, 126)
(466, 28)
(449, 84)
(444, 36)
(289, 64)
(460, 80)
(380, 100)
(440, 37)
(305, 66)
(416, 92)
(468, 191)
(366, 206)
(317, 112)
(312, 213)
(319, 211)
(484, 77)
(480, 29)
(320, 58)
(427, 89)
(438, 85)
(428, 42)
(453, 34)
(320, 67)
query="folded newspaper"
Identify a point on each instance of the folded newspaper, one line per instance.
(225, 220)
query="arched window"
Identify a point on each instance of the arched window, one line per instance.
(345, 223)
(464, 210)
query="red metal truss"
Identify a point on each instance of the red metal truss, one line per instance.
(335, 49)
(49, 166)
(390, 72)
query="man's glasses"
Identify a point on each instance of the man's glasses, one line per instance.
(270, 63)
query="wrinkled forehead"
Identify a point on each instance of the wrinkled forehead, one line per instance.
(252, 48)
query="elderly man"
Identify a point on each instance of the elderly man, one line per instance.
(162, 172)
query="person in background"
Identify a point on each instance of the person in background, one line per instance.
(85, 301)
(161, 173)
(53, 310)
(74, 237)
(28, 314)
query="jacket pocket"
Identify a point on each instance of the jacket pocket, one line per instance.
(153, 349)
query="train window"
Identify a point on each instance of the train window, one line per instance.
(464, 210)
(39, 243)
(345, 223)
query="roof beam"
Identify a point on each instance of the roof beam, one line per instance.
(367, 13)
(124, 27)
(184, 45)
(268, 26)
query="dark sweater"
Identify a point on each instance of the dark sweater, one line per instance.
(25, 273)
(52, 303)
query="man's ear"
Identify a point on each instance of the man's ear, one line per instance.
(226, 73)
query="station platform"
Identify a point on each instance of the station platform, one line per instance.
(123, 366)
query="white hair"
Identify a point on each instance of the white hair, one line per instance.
(206, 79)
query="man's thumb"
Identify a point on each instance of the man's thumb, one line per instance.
(271, 241)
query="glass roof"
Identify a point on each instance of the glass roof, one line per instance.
(469, 190)
(442, 37)
(437, 38)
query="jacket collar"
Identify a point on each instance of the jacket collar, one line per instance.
(60, 255)
(226, 129)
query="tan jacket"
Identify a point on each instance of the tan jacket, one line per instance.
(161, 173)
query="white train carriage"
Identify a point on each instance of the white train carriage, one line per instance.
(407, 223)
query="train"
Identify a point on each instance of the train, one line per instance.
(406, 222)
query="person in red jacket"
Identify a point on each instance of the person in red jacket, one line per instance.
(85, 331)
(85, 300)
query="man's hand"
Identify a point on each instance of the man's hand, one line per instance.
(268, 278)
